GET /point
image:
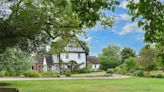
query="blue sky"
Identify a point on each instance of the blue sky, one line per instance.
(124, 33)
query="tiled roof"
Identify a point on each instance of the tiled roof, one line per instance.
(92, 60)
(49, 59)
(38, 59)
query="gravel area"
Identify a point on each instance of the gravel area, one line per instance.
(114, 76)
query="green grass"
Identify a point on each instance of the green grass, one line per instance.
(91, 85)
(90, 74)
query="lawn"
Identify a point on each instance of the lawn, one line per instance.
(90, 74)
(91, 85)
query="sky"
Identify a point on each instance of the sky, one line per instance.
(124, 33)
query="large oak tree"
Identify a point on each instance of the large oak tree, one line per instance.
(32, 24)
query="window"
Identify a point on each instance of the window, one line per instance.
(67, 56)
(79, 55)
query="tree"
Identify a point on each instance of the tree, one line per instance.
(130, 63)
(34, 24)
(160, 55)
(15, 61)
(150, 15)
(126, 53)
(147, 58)
(110, 57)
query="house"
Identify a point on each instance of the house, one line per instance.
(38, 66)
(93, 61)
(73, 56)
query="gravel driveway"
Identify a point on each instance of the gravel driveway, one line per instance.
(114, 76)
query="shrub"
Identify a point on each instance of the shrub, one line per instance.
(15, 61)
(110, 71)
(109, 64)
(2, 73)
(157, 76)
(121, 69)
(31, 74)
(84, 70)
(50, 74)
(10, 73)
(139, 73)
(67, 73)
(74, 71)
(130, 63)
(146, 74)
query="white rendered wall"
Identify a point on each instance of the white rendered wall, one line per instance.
(55, 58)
(74, 56)
(95, 67)
(44, 65)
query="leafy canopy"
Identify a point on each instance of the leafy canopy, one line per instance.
(110, 57)
(150, 15)
(34, 24)
(126, 53)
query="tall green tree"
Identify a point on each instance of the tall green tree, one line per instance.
(160, 55)
(150, 16)
(110, 57)
(147, 58)
(33, 24)
(126, 53)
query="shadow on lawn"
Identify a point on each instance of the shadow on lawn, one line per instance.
(4, 84)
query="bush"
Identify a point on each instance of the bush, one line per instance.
(10, 73)
(67, 73)
(121, 69)
(139, 73)
(109, 64)
(15, 61)
(110, 71)
(157, 76)
(74, 71)
(50, 74)
(31, 74)
(84, 70)
(2, 73)
(130, 63)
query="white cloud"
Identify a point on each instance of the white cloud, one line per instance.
(124, 17)
(130, 27)
(124, 3)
